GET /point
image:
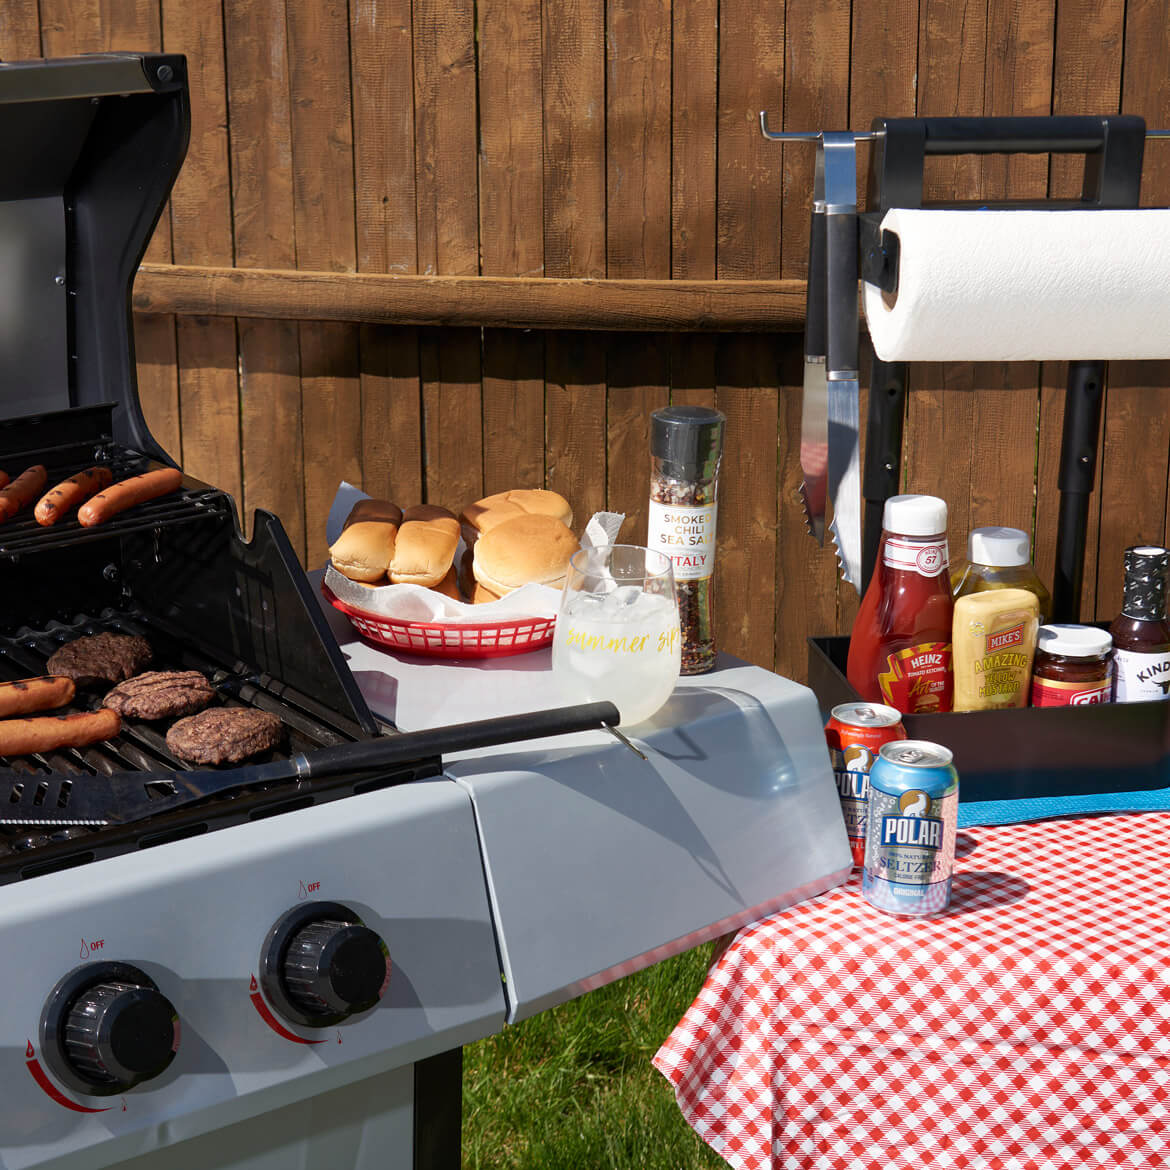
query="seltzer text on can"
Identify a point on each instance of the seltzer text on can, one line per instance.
(910, 835)
(855, 733)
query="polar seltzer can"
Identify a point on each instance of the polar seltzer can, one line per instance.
(855, 732)
(910, 835)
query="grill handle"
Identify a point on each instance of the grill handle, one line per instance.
(459, 737)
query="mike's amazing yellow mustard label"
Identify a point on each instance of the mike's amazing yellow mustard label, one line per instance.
(993, 641)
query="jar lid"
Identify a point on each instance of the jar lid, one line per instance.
(1004, 548)
(1074, 641)
(689, 438)
(915, 515)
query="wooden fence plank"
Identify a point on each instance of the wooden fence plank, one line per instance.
(748, 376)
(1136, 454)
(272, 452)
(20, 30)
(448, 240)
(323, 203)
(1086, 80)
(694, 114)
(574, 245)
(201, 228)
(511, 176)
(816, 95)
(751, 78)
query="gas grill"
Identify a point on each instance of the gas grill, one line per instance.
(277, 963)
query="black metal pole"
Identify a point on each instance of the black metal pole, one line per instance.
(438, 1111)
(1078, 469)
(883, 453)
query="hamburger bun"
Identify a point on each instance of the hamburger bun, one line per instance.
(485, 514)
(523, 550)
(374, 510)
(482, 595)
(423, 552)
(363, 552)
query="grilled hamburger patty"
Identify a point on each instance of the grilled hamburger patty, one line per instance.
(101, 658)
(161, 694)
(224, 735)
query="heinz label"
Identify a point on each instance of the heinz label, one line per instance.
(918, 679)
(927, 558)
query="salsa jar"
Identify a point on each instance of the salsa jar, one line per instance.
(1073, 666)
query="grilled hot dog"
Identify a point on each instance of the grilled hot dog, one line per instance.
(21, 491)
(23, 737)
(3, 479)
(36, 694)
(67, 495)
(120, 496)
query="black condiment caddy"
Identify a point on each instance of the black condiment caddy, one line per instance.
(1027, 752)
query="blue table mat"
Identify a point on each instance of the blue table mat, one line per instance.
(1011, 812)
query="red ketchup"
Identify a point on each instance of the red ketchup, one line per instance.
(900, 652)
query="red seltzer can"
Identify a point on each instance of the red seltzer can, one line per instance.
(855, 733)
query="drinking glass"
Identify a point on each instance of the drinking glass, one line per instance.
(617, 635)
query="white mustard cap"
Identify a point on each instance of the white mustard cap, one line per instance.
(1002, 547)
(915, 515)
(1074, 641)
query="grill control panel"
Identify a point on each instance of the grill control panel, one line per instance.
(106, 1027)
(320, 964)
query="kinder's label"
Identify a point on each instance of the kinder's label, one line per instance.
(1141, 677)
(1051, 693)
(686, 534)
(918, 678)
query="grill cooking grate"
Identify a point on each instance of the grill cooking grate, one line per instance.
(141, 748)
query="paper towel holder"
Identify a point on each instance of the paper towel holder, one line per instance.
(1113, 146)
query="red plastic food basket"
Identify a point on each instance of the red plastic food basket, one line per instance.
(449, 639)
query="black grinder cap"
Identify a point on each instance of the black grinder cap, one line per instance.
(1145, 582)
(688, 440)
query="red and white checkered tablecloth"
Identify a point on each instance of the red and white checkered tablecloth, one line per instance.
(1026, 1029)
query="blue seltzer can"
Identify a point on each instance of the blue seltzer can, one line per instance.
(910, 834)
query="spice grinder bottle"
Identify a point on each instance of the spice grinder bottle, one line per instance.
(686, 444)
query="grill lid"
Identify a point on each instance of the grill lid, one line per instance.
(99, 140)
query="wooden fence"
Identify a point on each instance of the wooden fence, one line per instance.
(602, 144)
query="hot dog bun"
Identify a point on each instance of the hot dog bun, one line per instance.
(424, 551)
(523, 550)
(449, 586)
(374, 510)
(364, 550)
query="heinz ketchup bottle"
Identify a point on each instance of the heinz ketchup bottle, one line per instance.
(900, 652)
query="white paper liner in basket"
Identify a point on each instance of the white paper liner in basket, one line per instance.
(416, 603)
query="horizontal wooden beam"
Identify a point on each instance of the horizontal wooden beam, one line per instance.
(488, 301)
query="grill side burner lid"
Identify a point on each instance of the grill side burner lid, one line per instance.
(94, 145)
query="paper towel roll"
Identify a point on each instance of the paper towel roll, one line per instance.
(1025, 285)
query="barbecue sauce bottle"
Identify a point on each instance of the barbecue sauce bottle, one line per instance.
(900, 651)
(1141, 637)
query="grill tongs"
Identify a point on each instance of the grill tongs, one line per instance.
(60, 800)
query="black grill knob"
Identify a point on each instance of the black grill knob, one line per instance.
(118, 1034)
(335, 967)
(321, 964)
(107, 1027)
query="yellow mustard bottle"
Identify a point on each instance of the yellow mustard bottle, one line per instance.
(993, 642)
(999, 558)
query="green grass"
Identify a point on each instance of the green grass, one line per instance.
(574, 1087)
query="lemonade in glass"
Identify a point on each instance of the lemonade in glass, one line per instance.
(617, 635)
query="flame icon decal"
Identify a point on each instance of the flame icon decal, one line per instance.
(84, 949)
(28, 1052)
(302, 893)
(252, 984)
